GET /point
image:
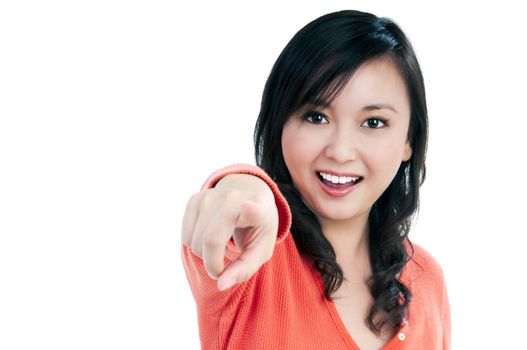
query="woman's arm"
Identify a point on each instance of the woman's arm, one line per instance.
(229, 231)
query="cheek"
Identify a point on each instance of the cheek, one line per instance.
(298, 148)
(385, 161)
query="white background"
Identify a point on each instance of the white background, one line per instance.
(114, 112)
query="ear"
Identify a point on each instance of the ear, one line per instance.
(407, 151)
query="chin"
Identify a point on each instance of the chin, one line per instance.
(344, 215)
(338, 215)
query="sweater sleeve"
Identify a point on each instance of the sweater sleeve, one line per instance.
(209, 299)
(445, 316)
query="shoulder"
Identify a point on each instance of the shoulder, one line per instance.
(424, 277)
(422, 265)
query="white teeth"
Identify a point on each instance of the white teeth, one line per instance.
(338, 179)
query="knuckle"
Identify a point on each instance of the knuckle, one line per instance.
(219, 199)
(206, 199)
(221, 202)
(193, 200)
(231, 195)
(214, 199)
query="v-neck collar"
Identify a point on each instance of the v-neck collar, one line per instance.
(395, 343)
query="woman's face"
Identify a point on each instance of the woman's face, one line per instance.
(363, 133)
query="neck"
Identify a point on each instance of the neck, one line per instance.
(349, 239)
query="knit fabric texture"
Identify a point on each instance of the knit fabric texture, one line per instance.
(283, 306)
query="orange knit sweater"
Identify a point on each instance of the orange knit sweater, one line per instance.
(283, 306)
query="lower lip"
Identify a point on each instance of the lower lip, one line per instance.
(339, 190)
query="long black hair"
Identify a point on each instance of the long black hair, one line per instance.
(315, 65)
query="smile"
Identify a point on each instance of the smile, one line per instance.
(338, 179)
(338, 186)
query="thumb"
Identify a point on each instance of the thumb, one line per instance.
(250, 214)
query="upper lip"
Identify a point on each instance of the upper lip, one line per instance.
(335, 173)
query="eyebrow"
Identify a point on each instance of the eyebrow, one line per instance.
(379, 106)
(373, 107)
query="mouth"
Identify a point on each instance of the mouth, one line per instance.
(338, 186)
(336, 181)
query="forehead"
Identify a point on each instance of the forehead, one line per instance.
(376, 82)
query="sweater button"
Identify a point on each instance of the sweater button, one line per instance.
(401, 336)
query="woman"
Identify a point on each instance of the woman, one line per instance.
(310, 249)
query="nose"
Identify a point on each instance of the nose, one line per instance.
(342, 146)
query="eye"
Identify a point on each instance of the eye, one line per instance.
(373, 123)
(315, 118)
